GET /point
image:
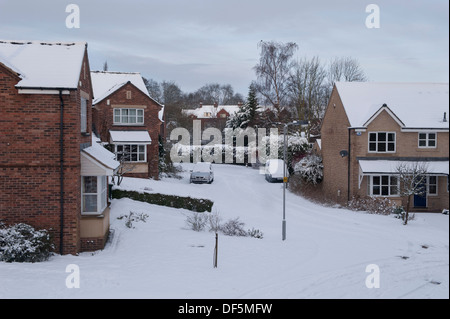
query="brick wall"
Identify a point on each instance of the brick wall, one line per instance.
(335, 139)
(103, 116)
(30, 158)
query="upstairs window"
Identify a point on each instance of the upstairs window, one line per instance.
(382, 142)
(83, 115)
(129, 116)
(427, 140)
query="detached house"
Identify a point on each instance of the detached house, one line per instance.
(369, 129)
(51, 175)
(126, 117)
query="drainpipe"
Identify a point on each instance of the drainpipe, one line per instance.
(61, 172)
(349, 163)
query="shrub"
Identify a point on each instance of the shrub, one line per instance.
(133, 217)
(372, 205)
(234, 227)
(310, 169)
(255, 233)
(197, 221)
(22, 243)
(214, 222)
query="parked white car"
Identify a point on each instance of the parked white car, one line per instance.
(202, 173)
(274, 170)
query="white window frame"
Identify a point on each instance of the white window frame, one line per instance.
(381, 185)
(138, 152)
(124, 113)
(387, 142)
(428, 185)
(101, 195)
(83, 115)
(427, 139)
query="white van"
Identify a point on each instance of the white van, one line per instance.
(274, 170)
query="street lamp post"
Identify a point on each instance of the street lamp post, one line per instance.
(284, 175)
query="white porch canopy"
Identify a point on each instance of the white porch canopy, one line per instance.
(386, 167)
(130, 137)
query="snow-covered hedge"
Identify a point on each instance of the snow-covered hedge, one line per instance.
(193, 204)
(22, 243)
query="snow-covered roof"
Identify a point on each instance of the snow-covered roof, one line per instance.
(105, 83)
(416, 105)
(102, 155)
(134, 137)
(390, 167)
(46, 65)
(210, 111)
(161, 114)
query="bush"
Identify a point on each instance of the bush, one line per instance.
(197, 221)
(310, 169)
(133, 217)
(233, 227)
(255, 233)
(372, 205)
(22, 243)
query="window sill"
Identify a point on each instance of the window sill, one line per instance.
(130, 125)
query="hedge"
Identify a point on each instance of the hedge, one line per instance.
(193, 204)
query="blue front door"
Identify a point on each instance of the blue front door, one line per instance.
(420, 201)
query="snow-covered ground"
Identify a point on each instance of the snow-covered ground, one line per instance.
(325, 255)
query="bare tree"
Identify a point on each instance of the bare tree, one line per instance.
(345, 69)
(125, 167)
(307, 88)
(412, 178)
(273, 71)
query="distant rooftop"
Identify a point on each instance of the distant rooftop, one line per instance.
(105, 83)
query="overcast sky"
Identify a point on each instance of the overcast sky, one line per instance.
(194, 42)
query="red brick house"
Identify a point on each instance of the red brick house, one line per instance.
(51, 176)
(127, 117)
(369, 129)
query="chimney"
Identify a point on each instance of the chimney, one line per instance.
(240, 104)
(445, 117)
(201, 104)
(216, 105)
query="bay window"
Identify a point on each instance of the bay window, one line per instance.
(131, 153)
(94, 192)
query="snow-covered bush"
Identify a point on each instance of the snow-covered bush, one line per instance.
(133, 217)
(310, 168)
(214, 221)
(372, 205)
(234, 227)
(22, 243)
(197, 221)
(255, 233)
